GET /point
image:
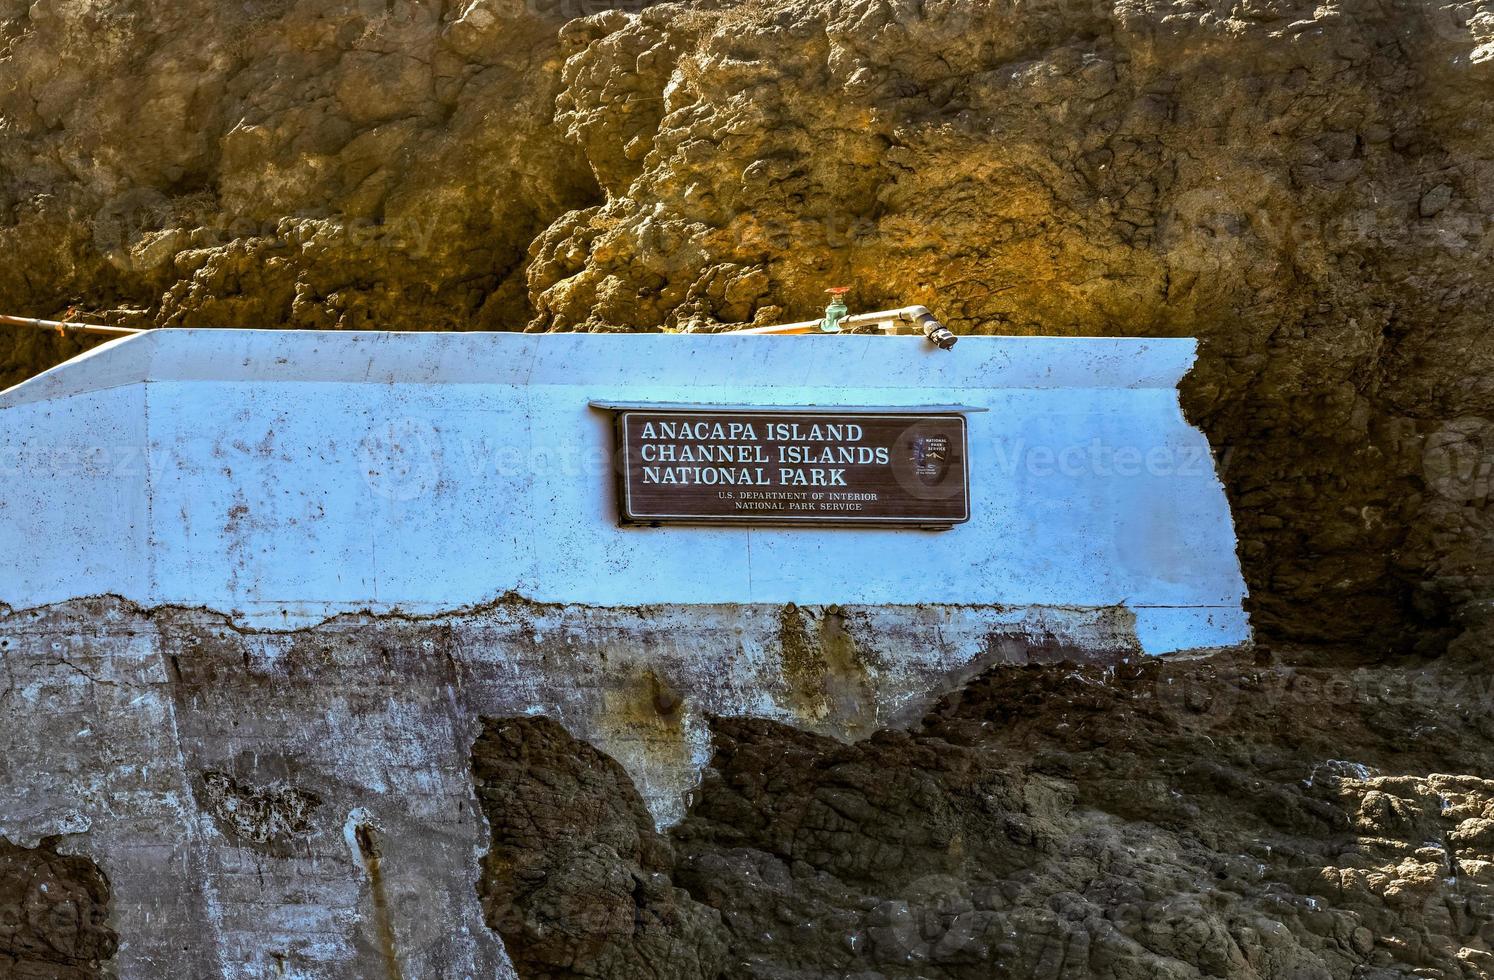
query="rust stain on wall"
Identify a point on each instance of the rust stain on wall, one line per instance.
(212, 768)
(825, 671)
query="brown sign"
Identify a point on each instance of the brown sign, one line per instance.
(783, 467)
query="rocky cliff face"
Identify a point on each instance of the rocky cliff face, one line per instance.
(1160, 821)
(1303, 185)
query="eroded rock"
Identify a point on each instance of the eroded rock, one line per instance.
(1161, 819)
(266, 816)
(53, 915)
(577, 879)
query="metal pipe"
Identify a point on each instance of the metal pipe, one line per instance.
(62, 326)
(918, 318)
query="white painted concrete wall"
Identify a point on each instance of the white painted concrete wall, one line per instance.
(285, 476)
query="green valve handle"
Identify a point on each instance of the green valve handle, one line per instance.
(837, 310)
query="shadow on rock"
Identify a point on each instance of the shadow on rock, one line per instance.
(53, 915)
(1233, 817)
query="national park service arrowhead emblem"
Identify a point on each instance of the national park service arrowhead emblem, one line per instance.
(931, 454)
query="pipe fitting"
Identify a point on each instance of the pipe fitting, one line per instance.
(927, 324)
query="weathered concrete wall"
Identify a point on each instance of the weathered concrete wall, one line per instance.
(283, 477)
(257, 590)
(299, 803)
